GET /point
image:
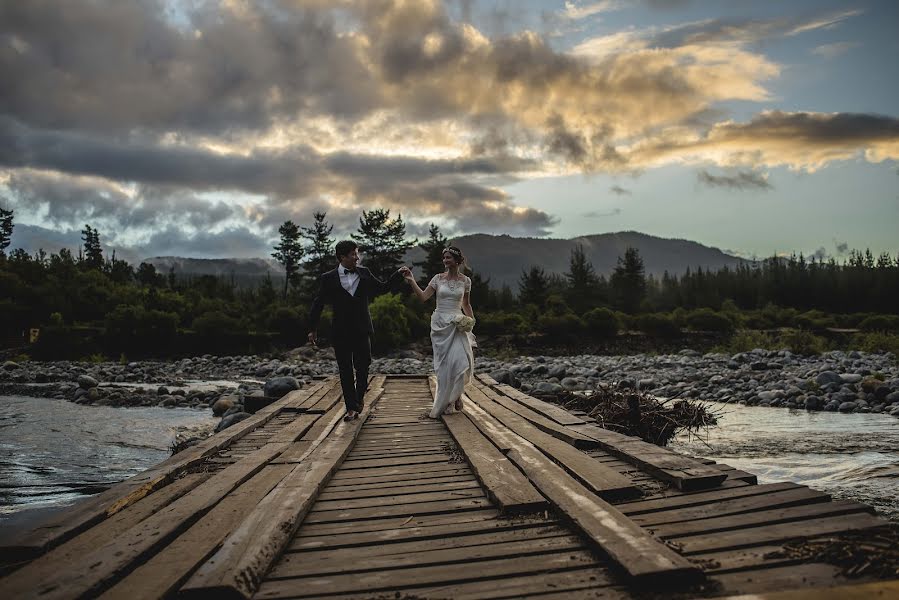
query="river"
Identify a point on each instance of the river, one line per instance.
(53, 452)
(851, 456)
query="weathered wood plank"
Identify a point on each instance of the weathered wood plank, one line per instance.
(412, 498)
(781, 532)
(604, 481)
(792, 497)
(807, 576)
(639, 554)
(764, 517)
(683, 472)
(506, 486)
(882, 590)
(248, 553)
(396, 524)
(161, 574)
(547, 409)
(679, 501)
(412, 508)
(405, 489)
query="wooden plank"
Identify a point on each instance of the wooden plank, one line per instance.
(590, 583)
(807, 576)
(300, 565)
(794, 497)
(396, 524)
(164, 572)
(883, 590)
(397, 579)
(396, 510)
(295, 429)
(640, 555)
(547, 409)
(362, 489)
(92, 571)
(764, 517)
(781, 532)
(567, 435)
(462, 485)
(395, 500)
(506, 486)
(49, 563)
(248, 553)
(375, 463)
(600, 479)
(678, 501)
(683, 472)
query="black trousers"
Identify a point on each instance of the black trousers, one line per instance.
(353, 354)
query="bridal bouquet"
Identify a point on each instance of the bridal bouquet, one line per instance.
(464, 323)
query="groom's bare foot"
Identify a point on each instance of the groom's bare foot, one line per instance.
(458, 404)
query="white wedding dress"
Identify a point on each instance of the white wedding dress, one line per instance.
(453, 357)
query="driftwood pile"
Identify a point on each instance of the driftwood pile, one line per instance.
(655, 420)
(872, 552)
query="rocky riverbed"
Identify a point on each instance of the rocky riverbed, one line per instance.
(834, 381)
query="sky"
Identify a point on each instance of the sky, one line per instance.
(196, 128)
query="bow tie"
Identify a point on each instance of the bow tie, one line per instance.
(348, 271)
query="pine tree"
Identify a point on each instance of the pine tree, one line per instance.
(320, 249)
(93, 252)
(382, 241)
(6, 227)
(289, 253)
(629, 282)
(433, 260)
(533, 287)
(582, 281)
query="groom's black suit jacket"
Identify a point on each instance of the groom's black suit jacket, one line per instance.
(352, 318)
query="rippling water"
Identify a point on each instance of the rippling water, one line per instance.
(850, 456)
(53, 452)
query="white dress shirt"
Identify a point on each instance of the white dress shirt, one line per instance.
(349, 280)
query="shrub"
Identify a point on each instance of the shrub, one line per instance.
(876, 342)
(601, 322)
(880, 323)
(216, 324)
(745, 340)
(288, 323)
(388, 315)
(800, 341)
(563, 326)
(56, 319)
(500, 323)
(657, 325)
(705, 319)
(815, 319)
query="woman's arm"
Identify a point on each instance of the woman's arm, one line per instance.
(422, 294)
(466, 305)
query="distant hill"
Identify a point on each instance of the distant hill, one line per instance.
(501, 257)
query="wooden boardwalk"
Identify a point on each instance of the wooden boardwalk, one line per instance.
(512, 498)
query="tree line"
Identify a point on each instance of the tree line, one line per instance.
(92, 303)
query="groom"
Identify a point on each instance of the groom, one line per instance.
(349, 289)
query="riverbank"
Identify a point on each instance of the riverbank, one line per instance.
(833, 381)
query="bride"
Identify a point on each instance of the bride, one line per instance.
(450, 334)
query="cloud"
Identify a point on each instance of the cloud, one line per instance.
(595, 214)
(829, 51)
(742, 180)
(619, 191)
(579, 10)
(820, 255)
(841, 247)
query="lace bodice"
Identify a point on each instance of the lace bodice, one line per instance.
(450, 292)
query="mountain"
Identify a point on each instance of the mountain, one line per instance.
(501, 257)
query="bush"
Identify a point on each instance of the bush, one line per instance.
(500, 323)
(880, 323)
(745, 340)
(601, 322)
(131, 325)
(876, 342)
(658, 325)
(288, 323)
(815, 319)
(216, 324)
(388, 315)
(561, 326)
(705, 319)
(800, 341)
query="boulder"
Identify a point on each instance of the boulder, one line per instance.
(10, 366)
(231, 420)
(545, 387)
(847, 406)
(572, 383)
(221, 406)
(828, 377)
(851, 377)
(87, 382)
(279, 386)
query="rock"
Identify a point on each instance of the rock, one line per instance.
(558, 371)
(813, 403)
(545, 387)
(11, 366)
(87, 382)
(93, 394)
(279, 386)
(895, 412)
(162, 391)
(223, 404)
(851, 377)
(892, 398)
(828, 377)
(882, 392)
(847, 406)
(646, 384)
(572, 383)
(231, 420)
(759, 365)
(502, 376)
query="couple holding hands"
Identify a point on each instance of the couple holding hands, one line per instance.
(349, 289)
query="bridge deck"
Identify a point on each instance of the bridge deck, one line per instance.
(511, 498)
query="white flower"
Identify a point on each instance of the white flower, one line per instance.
(464, 323)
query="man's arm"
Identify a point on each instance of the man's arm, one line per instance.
(379, 287)
(315, 311)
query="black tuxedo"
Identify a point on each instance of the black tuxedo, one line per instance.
(351, 327)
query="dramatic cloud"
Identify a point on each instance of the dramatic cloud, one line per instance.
(742, 180)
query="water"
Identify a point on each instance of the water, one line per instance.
(54, 452)
(850, 456)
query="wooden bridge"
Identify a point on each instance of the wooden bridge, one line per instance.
(512, 498)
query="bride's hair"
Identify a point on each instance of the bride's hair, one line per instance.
(457, 255)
